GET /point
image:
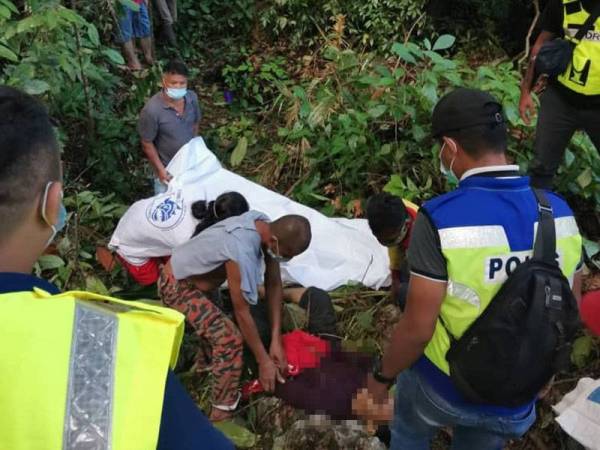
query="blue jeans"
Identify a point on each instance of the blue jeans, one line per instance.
(183, 426)
(420, 412)
(135, 24)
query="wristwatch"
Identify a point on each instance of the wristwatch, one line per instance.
(379, 377)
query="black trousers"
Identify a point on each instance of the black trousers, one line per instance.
(557, 122)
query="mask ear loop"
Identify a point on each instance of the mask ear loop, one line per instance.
(455, 155)
(45, 203)
(215, 209)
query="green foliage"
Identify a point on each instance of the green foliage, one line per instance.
(255, 82)
(214, 26)
(375, 23)
(371, 118)
(583, 348)
(59, 55)
(91, 217)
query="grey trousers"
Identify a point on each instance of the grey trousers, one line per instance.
(167, 10)
(557, 122)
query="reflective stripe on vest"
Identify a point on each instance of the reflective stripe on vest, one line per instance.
(83, 371)
(88, 418)
(479, 260)
(583, 74)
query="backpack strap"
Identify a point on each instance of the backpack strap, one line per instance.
(588, 24)
(544, 247)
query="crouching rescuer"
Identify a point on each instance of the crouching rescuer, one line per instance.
(492, 300)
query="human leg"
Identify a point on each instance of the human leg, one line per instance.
(488, 432)
(173, 9)
(222, 335)
(591, 120)
(167, 9)
(409, 429)
(557, 121)
(472, 427)
(320, 312)
(183, 425)
(142, 29)
(126, 38)
(467, 438)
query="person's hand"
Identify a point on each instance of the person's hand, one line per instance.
(526, 107)
(373, 404)
(267, 374)
(277, 354)
(164, 176)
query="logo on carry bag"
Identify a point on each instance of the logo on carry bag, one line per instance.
(166, 211)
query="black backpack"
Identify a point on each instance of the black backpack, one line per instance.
(525, 334)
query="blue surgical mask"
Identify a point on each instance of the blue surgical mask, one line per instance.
(62, 215)
(176, 93)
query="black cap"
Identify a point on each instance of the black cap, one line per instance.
(464, 108)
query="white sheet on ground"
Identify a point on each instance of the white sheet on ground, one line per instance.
(342, 251)
(579, 413)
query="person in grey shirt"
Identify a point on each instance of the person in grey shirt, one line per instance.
(168, 121)
(234, 250)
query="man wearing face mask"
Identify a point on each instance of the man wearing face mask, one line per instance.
(237, 250)
(464, 244)
(168, 121)
(76, 367)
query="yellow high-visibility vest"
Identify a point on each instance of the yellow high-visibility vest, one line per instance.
(583, 73)
(468, 250)
(81, 371)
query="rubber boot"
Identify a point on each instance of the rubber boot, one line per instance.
(146, 44)
(169, 34)
(129, 53)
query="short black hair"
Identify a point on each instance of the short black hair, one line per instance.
(481, 139)
(177, 67)
(226, 205)
(293, 231)
(385, 212)
(29, 155)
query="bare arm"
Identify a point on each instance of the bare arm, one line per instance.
(241, 310)
(526, 104)
(409, 339)
(527, 82)
(416, 326)
(274, 296)
(152, 155)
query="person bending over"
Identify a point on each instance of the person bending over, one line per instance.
(391, 219)
(234, 250)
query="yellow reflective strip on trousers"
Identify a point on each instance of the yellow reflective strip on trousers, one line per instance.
(470, 269)
(35, 337)
(583, 74)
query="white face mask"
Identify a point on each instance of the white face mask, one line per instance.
(62, 215)
(447, 171)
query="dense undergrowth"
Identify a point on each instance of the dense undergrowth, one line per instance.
(331, 103)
